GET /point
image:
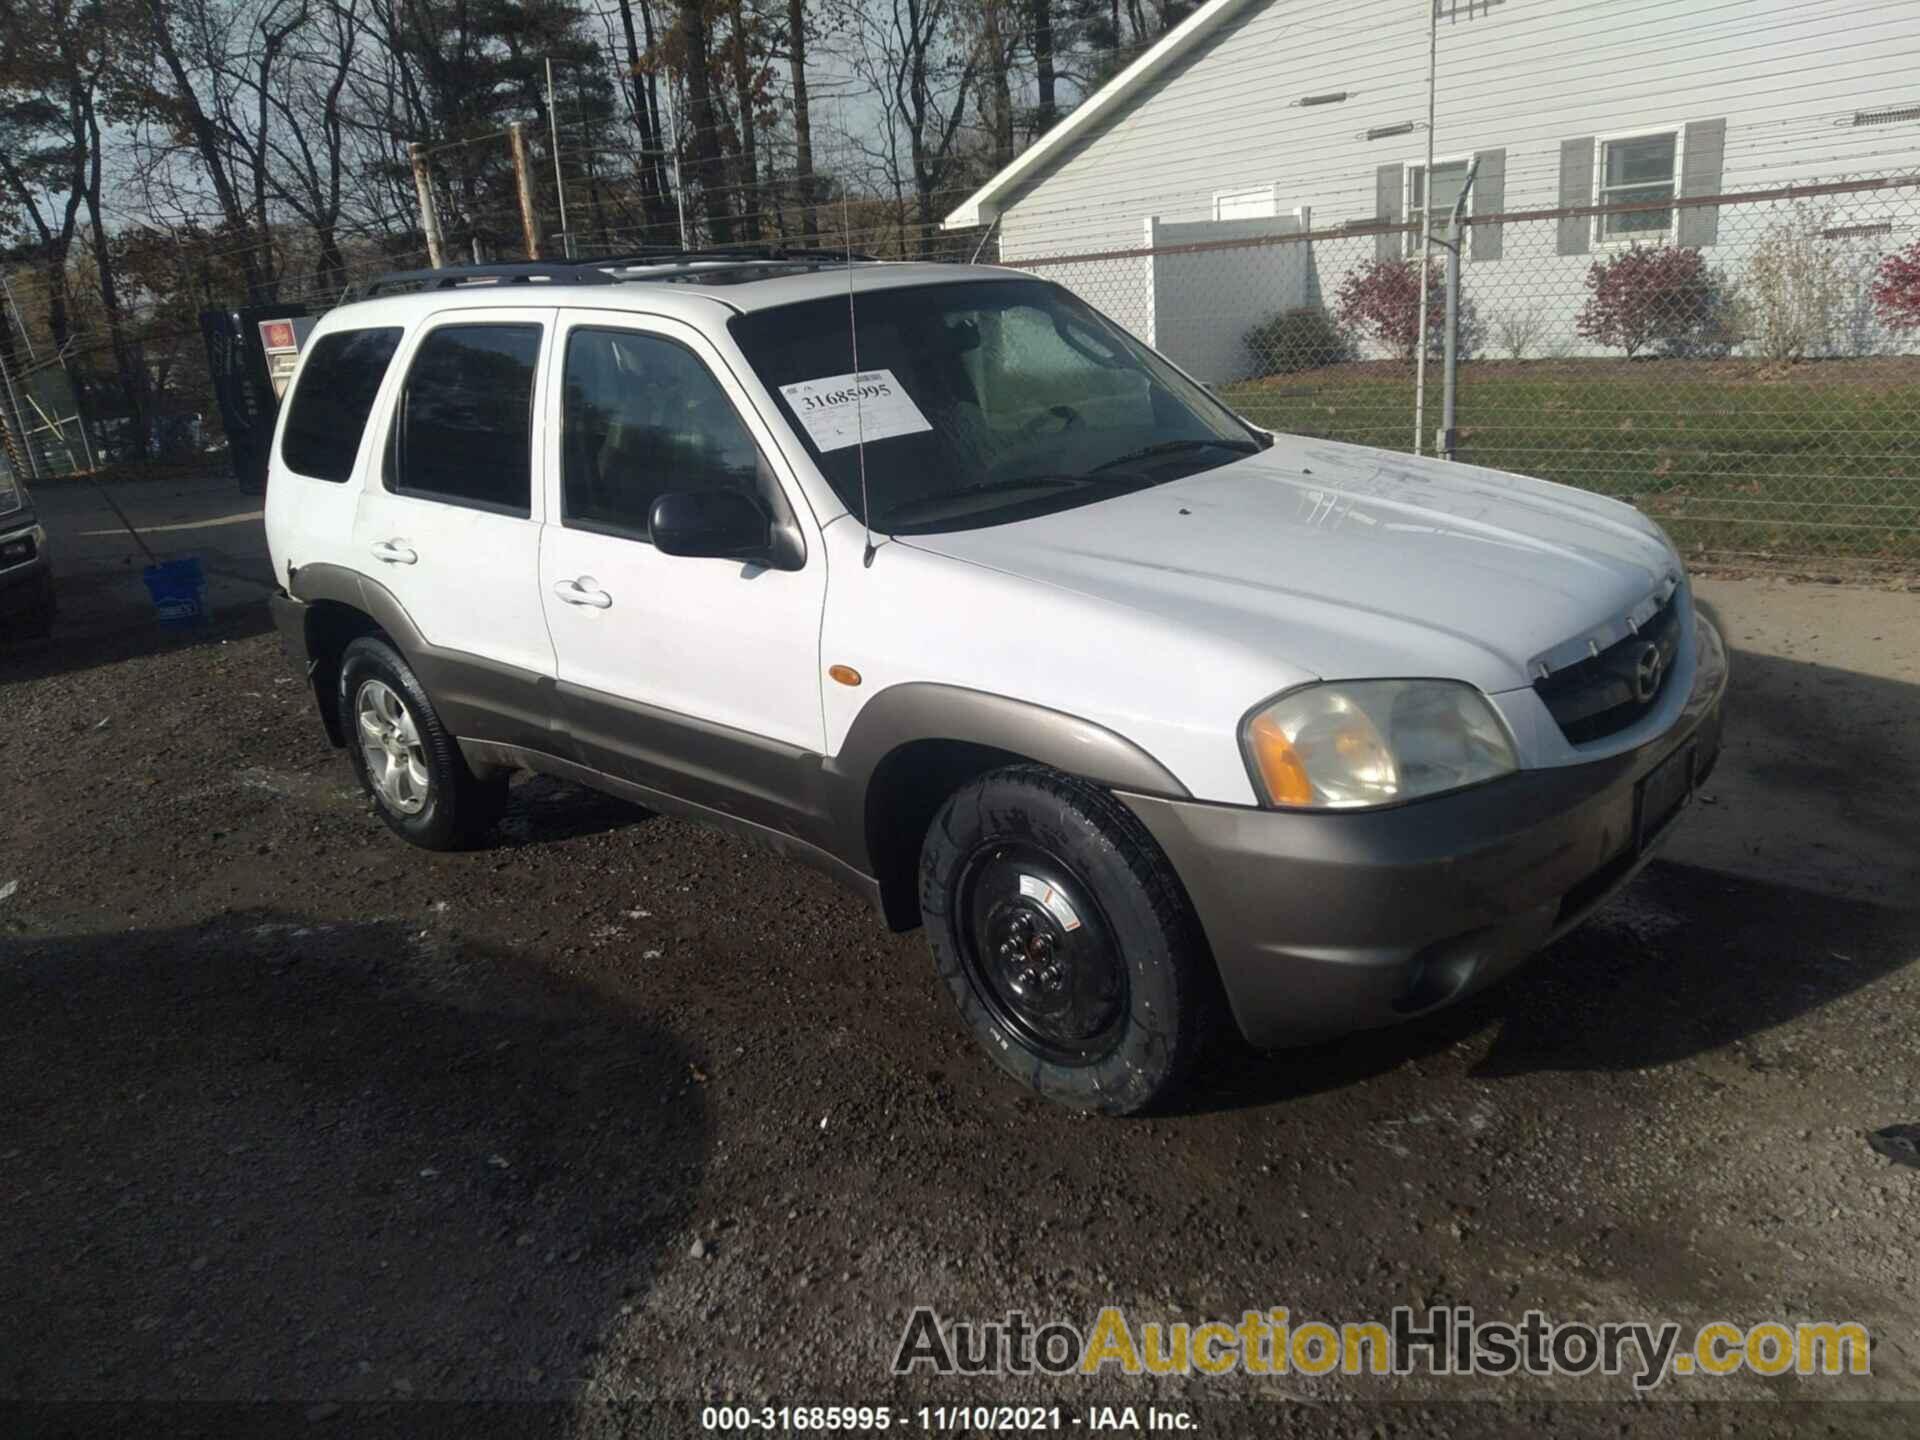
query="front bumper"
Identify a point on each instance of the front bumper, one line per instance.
(1327, 923)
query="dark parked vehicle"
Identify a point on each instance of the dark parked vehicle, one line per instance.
(26, 580)
(250, 354)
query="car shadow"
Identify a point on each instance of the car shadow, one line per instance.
(270, 1158)
(65, 652)
(541, 809)
(1684, 962)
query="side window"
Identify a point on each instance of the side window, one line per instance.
(333, 400)
(464, 429)
(642, 416)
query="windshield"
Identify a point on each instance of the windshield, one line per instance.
(981, 402)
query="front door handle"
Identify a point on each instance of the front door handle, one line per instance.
(393, 552)
(581, 592)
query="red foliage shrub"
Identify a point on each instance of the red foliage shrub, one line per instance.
(1640, 297)
(1896, 289)
(1381, 300)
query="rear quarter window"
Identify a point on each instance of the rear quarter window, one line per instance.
(463, 431)
(332, 400)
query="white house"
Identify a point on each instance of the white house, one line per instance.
(1260, 118)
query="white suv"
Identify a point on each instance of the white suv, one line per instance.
(1010, 625)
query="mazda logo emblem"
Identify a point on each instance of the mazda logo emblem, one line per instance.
(1646, 674)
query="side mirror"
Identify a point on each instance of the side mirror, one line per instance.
(719, 524)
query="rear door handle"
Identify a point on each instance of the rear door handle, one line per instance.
(580, 592)
(394, 553)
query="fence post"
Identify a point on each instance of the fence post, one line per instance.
(1455, 243)
(1451, 363)
(523, 183)
(429, 215)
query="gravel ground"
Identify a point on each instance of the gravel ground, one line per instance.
(620, 1109)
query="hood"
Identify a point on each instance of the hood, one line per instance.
(1345, 561)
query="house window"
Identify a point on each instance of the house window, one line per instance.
(1447, 182)
(1633, 171)
(1258, 204)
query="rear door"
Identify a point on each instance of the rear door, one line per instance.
(697, 676)
(450, 520)
(316, 475)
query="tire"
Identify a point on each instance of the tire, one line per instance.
(1066, 940)
(424, 790)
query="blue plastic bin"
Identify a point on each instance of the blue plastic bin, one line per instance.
(179, 591)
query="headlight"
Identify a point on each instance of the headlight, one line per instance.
(1374, 742)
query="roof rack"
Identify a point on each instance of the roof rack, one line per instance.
(661, 262)
(772, 251)
(565, 272)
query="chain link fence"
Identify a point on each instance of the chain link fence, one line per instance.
(1756, 390)
(41, 435)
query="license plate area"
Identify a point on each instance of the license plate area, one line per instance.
(1662, 794)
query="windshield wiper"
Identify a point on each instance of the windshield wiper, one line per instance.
(1013, 482)
(1175, 447)
(989, 487)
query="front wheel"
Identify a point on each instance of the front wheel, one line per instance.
(1066, 940)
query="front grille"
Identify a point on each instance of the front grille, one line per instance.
(1604, 693)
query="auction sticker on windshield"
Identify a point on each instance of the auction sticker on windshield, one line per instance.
(843, 410)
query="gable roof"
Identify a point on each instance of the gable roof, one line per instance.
(1104, 104)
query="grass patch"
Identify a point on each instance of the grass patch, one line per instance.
(1816, 459)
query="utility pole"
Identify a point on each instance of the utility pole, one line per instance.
(429, 215)
(559, 181)
(523, 182)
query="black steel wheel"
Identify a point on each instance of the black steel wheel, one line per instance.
(1066, 940)
(1040, 952)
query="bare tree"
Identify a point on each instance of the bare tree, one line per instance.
(48, 86)
(803, 185)
(1045, 76)
(655, 188)
(198, 45)
(922, 68)
(307, 149)
(998, 37)
(709, 168)
(744, 69)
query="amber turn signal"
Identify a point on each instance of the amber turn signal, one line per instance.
(1279, 763)
(845, 674)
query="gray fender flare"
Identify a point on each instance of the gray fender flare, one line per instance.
(864, 775)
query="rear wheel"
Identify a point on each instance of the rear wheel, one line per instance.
(403, 756)
(1066, 940)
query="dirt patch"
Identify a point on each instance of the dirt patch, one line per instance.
(619, 1109)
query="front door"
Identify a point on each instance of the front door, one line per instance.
(700, 677)
(450, 522)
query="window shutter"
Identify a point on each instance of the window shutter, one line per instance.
(1389, 189)
(1489, 197)
(1576, 188)
(1703, 153)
